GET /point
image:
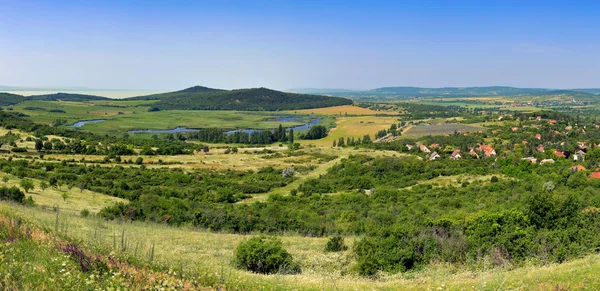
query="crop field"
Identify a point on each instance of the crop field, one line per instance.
(354, 127)
(439, 129)
(344, 110)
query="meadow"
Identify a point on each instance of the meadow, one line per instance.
(208, 256)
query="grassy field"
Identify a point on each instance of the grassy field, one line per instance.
(355, 126)
(211, 253)
(122, 116)
(75, 202)
(39, 111)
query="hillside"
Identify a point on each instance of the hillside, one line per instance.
(10, 99)
(255, 99)
(67, 97)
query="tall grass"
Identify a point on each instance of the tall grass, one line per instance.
(206, 257)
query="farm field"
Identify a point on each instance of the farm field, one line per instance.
(439, 129)
(344, 110)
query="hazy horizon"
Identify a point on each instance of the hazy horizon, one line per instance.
(161, 46)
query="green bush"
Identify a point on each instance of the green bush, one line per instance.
(335, 244)
(265, 255)
(85, 213)
(18, 150)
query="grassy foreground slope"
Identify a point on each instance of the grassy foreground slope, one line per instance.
(255, 99)
(205, 259)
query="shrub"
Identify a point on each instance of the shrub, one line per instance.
(494, 179)
(85, 213)
(335, 244)
(18, 150)
(265, 255)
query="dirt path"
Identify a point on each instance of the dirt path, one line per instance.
(321, 169)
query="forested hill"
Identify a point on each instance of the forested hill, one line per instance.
(189, 91)
(67, 97)
(406, 92)
(12, 99)
(202, 98)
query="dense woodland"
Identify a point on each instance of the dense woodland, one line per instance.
(256, 99)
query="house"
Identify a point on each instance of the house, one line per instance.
(455, 155)
(552, 121)
(487, 150)
(579, 156)
(409, 147)
(595, 175)
(434, 156)
(559, 154)
(540, 149)
(424, 149)
(539, 118)
(577, 168)
(434, 146)
(568, 127)
(514, 128)
(500, 117)
(538, 136)
(546, 161)
(530, 159)
(473, 153)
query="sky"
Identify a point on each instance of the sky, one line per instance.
(158, 45)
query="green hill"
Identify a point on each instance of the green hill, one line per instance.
(10, 99)
(67, 97)
(203, 98)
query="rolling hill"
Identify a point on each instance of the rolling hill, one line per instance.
(10, 99)
(203, 98)
(67, 97)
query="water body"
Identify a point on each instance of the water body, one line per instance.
(84, 122)
(304, 126)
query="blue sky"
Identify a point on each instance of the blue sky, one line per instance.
(298, 44)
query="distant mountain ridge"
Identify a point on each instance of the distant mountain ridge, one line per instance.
(407, 92)
(204, 98)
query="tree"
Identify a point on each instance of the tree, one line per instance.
(366, 139)
(39, 145)
(139, 161)
(265, 255)
(64, 195)
(53, 182)
(27, 185)
(205, 149)
(5, 179)
(291, 137)
(48, 146)
(44, 185)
